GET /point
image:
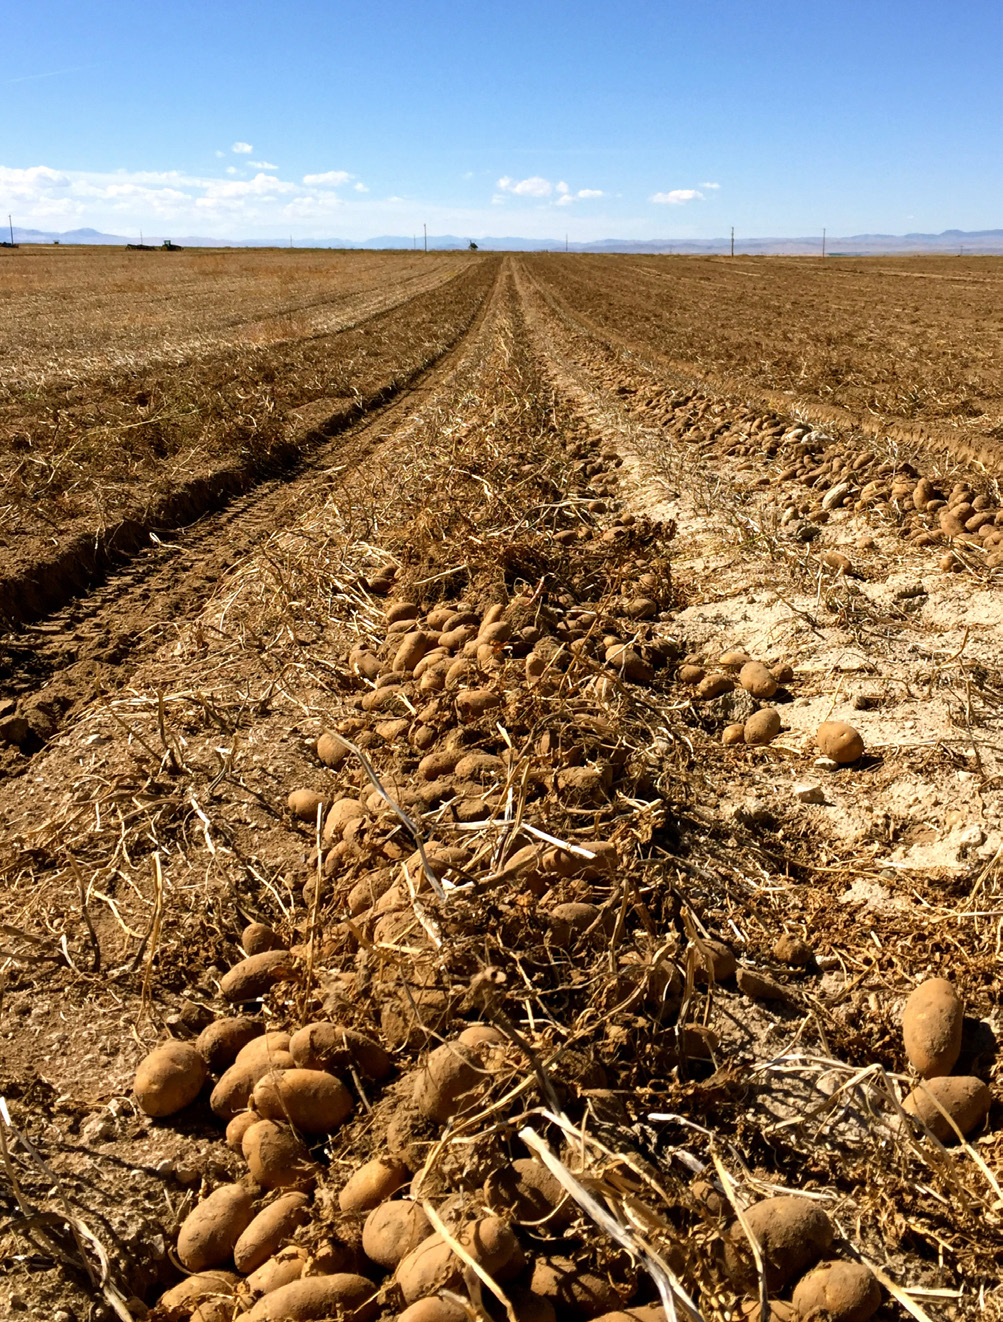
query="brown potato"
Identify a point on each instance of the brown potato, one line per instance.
(238, 1127)
(763, 726)
(313, 1101)
(392, 1231)
(328, 1046)
(450, 1083)
(289, 1264)
(254, 976)
(576, 1292)
(372, 1184)
(792, 1233)
(332, 749)
(203, 1285)
(434, 1310)
(233, 1092)
(277, 1158)
(757, 680)
(715, 958)
(837, 1292)
(734, 660)
(170, 1078)
(931, 1027)
(348, 1297)
(712, 686)
(264, 1047)
(733, 734)
(219, 1043)
(964, 1098)
(305, 803)
(471, 703)
(433, 1266)
(212, 1228)
(341, 813)
(269, 1230)
(527, 1191)
(257, 937)
(840, 741)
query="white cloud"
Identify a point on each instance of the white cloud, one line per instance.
(221, 153)
(232, 169)
(242, 148)
(589, 192)
(585, 194)
(534, 186)
(329, 179)
(35, 176)
(467, 174)
(710, 185)
(678, 196)
(565, 200)
(360, 187)
(262, 165)
(562, 187)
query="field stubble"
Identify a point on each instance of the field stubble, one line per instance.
(564, 529)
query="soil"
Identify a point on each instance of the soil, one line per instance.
(536, 462)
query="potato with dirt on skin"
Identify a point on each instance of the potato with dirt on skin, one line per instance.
(433, 1266)
(238, 1127)
(840, 741)
(434, 1309)
(837, 1292)
(393, 1230)
(450, 1083)
(328, 1046)
(253, 977)
(312, 1101)
(965, 1098)
(305, 804)
(268, 1231)
(219, 1044)
(277, 1158)
(757, 680)
(348, 1297)
(792, 1232)
(762, 727)
(169, 1079)
(232, 1093)
(373, 1183)
(202, 1286)
(211, 1229)
(931, 1027)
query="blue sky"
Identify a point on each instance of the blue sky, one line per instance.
(630, 120)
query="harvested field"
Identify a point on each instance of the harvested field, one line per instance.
(573, 786)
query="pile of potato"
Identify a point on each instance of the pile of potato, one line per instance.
(735, 669)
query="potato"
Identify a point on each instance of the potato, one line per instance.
(792, 1232)
(471, 703)
(328, 1046)
(757, 680)
(628, 663)
(434, 1310)
(839, 741)
(964, 1098)
(269, 1230)
(254, 976)
(265, 1047)
(169, 1078)
(305, 803)
(712, 686)
(734, 660)
(716, 958)
(432, 1266)
(277, 1158)
(233, 1092)
(792, 950)
(931, 1027)
(219, 1043)
(203, 1285)
(733, 734)
(346, 1296)
(392, 1231)
(257, 937)
(450, 1083)
(238, 1127)
(341, 813)
(413, 647)
(837, 1292)
(313, 1101)
(527, 1191)
(575, 1291)
(372, 1184)
(763, 726)
(212, 1228)
(332, 749)
(690, 674)
(289, 1264)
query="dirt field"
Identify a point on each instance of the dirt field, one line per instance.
(608, 955)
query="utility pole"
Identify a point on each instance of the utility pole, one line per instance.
(425, 228)
(733, 240)
(10, 224)
(565, 243)
(823, 243)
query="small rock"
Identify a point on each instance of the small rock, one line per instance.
(805, 532)
(792, 950)
(825, 764)
(805, 791)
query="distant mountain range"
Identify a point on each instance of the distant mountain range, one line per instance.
(970, 242)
